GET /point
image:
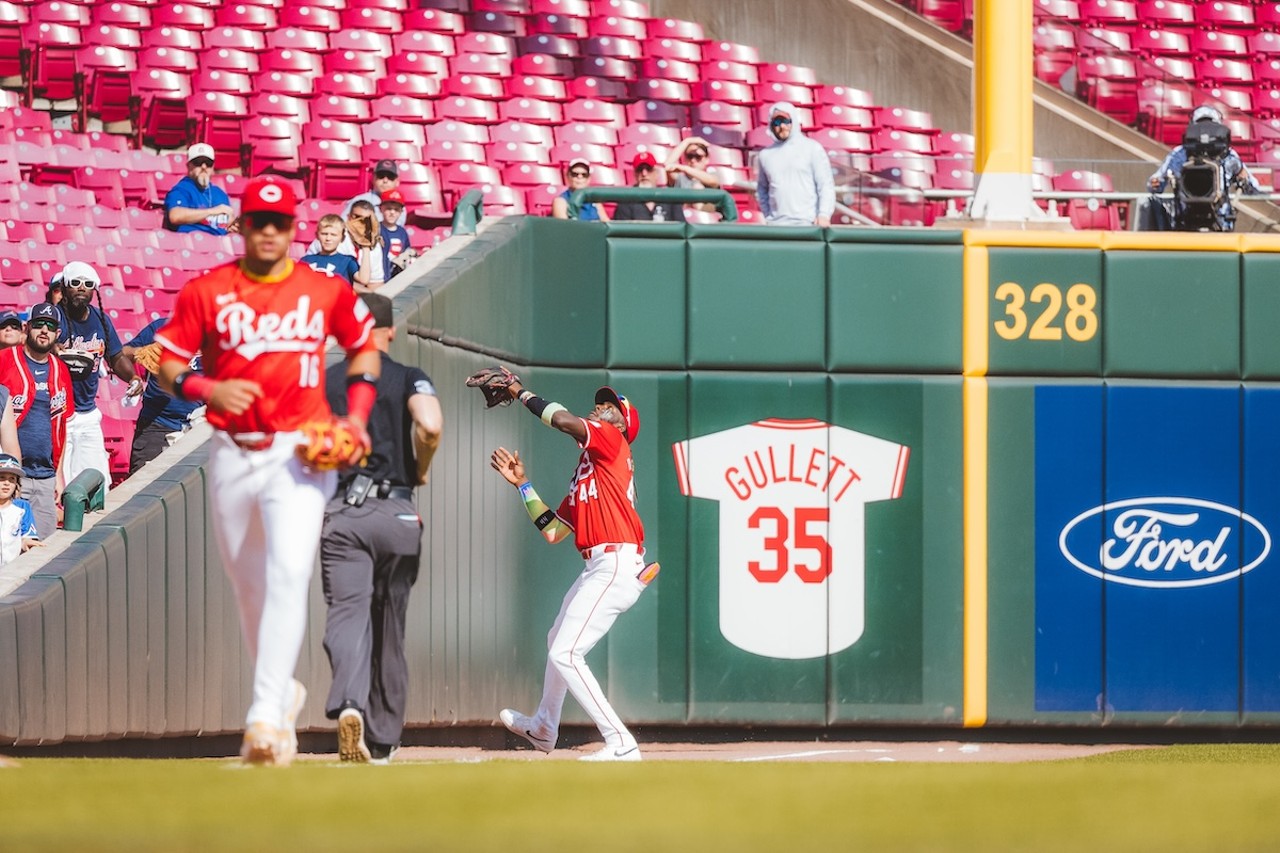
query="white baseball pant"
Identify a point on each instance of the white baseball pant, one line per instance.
(86, 448)
(607, 587)
(267, 513)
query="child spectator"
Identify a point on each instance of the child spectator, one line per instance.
(362, 225)
(330, 260)
(17, 521)
(395, 237)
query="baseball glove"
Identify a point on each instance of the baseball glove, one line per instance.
(328, 445)
(493, 382)
(148, 357)
(364, 231)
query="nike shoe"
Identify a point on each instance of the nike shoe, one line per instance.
(289, 746)
(381, 755)
(262, 745)
(351, 745)
(614, 753)
(519, 724)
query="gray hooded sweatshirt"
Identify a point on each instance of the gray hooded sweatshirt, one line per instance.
(793, 178)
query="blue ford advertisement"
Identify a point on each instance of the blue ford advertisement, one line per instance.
(1156, 585)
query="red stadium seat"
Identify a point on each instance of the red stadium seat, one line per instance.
(672, 48)
(1157, 42)
(341, 108)
(434, 21)
(794, 93)
(496, 22)
(335, 130)
(727, 115)
(542, 88)
(550, 45)
(385, 149)
(607, 68)
(614, 25)
(730, 92)
(503, 153)
(494, 44)
(355, 62)
(671, 91)
(597, 88)
(533, 134)
(541, 65)
(291, 38)
(1118, 14)
(733, 72)
(565, 8)
(384, 21)
(474, 86)
(448, 151)
(595, 154)
(595, 111)
(530, 175)
(531, 110)
(675, 29)
(558, 25)
(589, 132)
(1224, 43)
(362, 40)
(653, 135)
(473, 110)
(658, 112)
(245, 16)
(310, 18)
(459, 131)
(613, 47)
(1222, 14)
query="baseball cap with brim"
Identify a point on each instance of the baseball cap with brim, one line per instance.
(267, 195)
(200, 149)
(629, 412)
(644, 158)
(386, 167)
(393, 197)
(45, 311)
(380, 307)
(10, 465)
(10, 317)
(580, 161)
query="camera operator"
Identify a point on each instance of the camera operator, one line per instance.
(1206, 144)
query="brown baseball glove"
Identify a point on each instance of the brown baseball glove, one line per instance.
(337, 443)
(493, 382)
(148, 357)
(364, 231)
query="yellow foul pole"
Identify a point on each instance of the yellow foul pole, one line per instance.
(1002, 121)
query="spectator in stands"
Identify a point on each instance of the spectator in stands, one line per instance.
(687, 168)
(42, 404)
(395, 237)
(1207, 120)
(371, 251)
(17, 521)
(162, 418)
(53, 294)
(11, 331)
(793, 181)
(386, 177)
(195, 203)
(330, 259)
(578, 177)
(646, 169)
(87, 340)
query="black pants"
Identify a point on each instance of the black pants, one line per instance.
(369, 562)
(149, 441)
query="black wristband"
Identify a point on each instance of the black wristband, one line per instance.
(535, 404)
(543, 520)
(367, 378)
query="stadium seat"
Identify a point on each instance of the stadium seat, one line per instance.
(658, 112)
(597, 88)
(533, 134)
(459, 131)
(733, 72)
(309, 18)
(474, 86)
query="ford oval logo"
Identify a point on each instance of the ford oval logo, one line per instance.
(1165, 542)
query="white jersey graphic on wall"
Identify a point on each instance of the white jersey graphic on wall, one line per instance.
(792, 528)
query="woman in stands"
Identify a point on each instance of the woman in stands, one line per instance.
(578, 177)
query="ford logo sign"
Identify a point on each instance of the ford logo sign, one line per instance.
(1165, 542)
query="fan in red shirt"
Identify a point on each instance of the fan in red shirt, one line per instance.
(600, 512)
(261, 325)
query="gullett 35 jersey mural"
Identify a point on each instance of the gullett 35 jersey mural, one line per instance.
(792, 495)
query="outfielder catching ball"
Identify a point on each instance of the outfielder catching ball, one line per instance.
(600, 512)
(261, 325)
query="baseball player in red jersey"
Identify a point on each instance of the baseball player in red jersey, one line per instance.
(261, 325)
(600, 512)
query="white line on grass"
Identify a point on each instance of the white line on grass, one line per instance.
(789, 755)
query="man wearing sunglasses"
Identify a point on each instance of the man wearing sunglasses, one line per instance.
(195, 203)
(40, 386)
(261, 325)
(793, 175)
(688, 168)
(87, 339)
(578, 177)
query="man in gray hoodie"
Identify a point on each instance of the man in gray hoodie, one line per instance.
(793, 180)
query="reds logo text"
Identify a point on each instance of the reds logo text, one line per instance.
(250, 334)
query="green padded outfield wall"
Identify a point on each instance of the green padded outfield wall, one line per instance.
(894, 477)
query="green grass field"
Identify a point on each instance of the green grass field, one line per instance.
(1205, 797)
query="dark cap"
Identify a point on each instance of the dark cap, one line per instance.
(46, 311)
(380, 307)
(629, 413)
(386, 167)
(10, 317)
(10, 465)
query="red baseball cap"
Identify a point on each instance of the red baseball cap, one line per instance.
(394, 196)
(629, 412)
(644, 158)
(268, 195)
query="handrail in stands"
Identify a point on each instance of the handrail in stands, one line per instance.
(725, 205)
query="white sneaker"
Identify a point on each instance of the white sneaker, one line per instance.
(351, 745)
(263, 745)
(289, 738)
(519, 724)
(614, 753)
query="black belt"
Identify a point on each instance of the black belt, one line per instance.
(387, 489)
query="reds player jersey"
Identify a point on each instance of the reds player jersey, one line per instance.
(272, 331)
(792, 559)
(601, 504)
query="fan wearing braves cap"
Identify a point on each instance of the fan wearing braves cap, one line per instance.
(600, 513)
(195, 203)
(260, 325)
(386, 177)
(17, 522)
(645, 166)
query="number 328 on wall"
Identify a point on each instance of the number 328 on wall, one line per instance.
(1041, 321)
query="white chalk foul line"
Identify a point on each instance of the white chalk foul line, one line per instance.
(810, 754)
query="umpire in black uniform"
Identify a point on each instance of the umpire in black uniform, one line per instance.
(369, 552)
